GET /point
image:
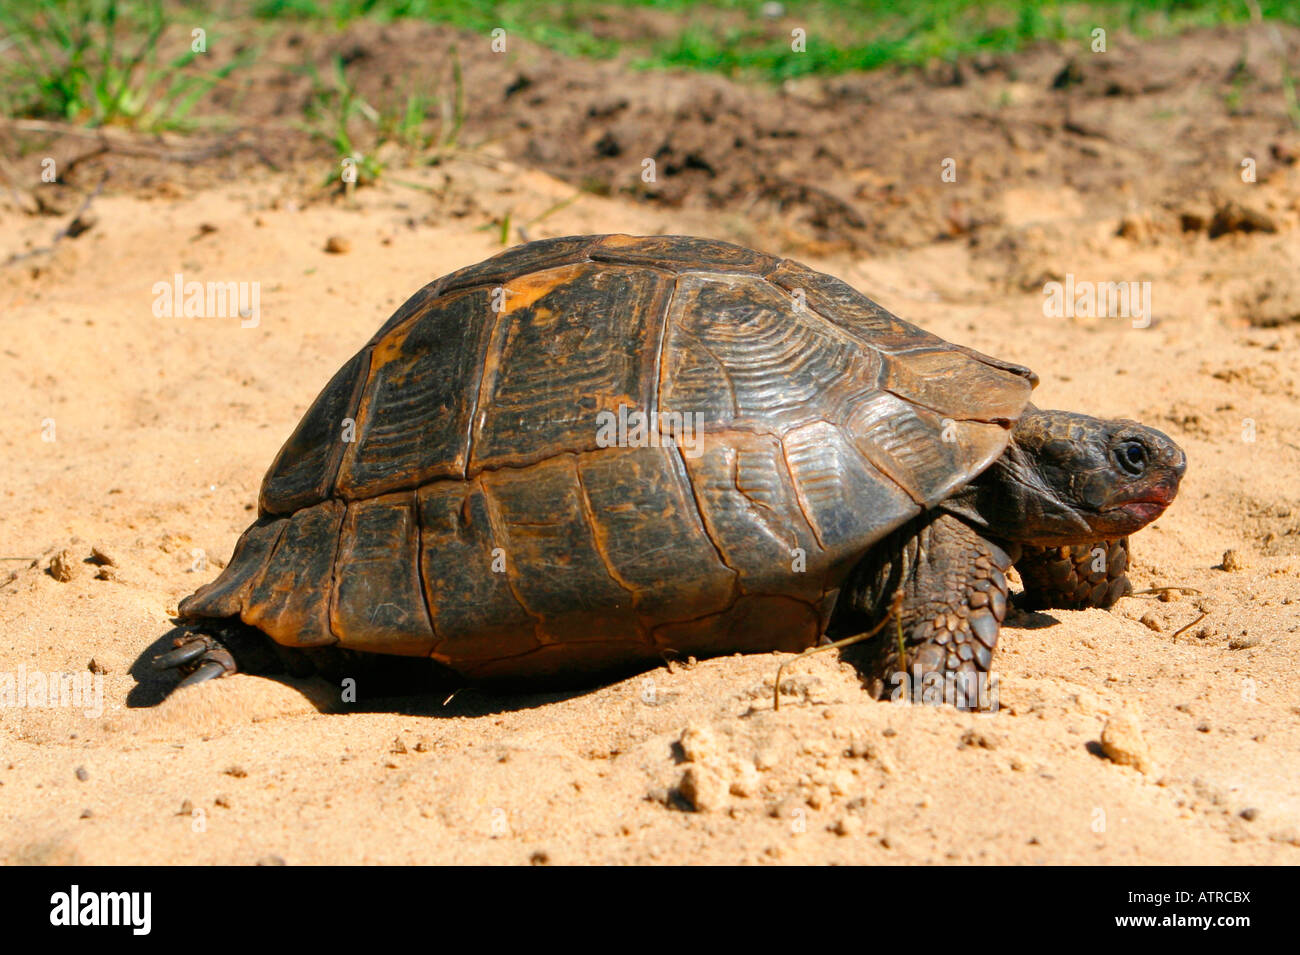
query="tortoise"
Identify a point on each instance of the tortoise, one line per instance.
(588, 455)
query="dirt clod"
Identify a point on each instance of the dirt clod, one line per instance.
(1123, 743)
(704, 788)
(63, 566)
(1233, 217)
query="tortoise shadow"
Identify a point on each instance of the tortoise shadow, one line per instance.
(152, 686)
(1023, 619)
(392, 686)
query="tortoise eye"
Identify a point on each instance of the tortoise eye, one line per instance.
(1132, 457)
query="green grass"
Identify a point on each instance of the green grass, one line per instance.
(101, 62)
(336, 112)
(129, 62)
(732, 36)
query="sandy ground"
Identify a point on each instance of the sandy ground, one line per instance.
(145, 438)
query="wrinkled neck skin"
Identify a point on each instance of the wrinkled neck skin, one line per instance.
(1011, 502)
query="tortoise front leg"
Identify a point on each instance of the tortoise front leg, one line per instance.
(1074, 577)
(954, 587)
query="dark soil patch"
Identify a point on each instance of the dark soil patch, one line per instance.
(852, 162)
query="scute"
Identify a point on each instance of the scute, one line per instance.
(224, 597)
(378, 603)
(290, 598)
(845, 499)
(414, 417)
(554, 561)
(520, 261)
(572, 344)
(737, 350)
(680, 253)
(303, 472)
(926, 455)
(846, 306)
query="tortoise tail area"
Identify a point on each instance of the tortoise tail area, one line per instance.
(365, 579)
(270, 606)
(223, 597)
(316, 577)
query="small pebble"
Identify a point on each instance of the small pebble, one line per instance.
(337, 245)
(61, 565)
(82, 774)
(698, 744)
(846, 826)
(1123, 744)
(1231, 561)
(975, 739)
(82, 224)
(704, 788)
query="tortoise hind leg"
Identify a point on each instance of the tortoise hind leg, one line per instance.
(199, 657)
(213, 648)
(954, 596)
(216, 648)
(1074, 577)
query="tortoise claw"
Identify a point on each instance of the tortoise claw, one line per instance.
(207, 670)
(199, 657)
(185, 653)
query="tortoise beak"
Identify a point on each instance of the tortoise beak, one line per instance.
(1157, 490)
(1171, 465)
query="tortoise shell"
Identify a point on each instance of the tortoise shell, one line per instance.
(483, 484)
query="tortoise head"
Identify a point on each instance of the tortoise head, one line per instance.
(1070, 479)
